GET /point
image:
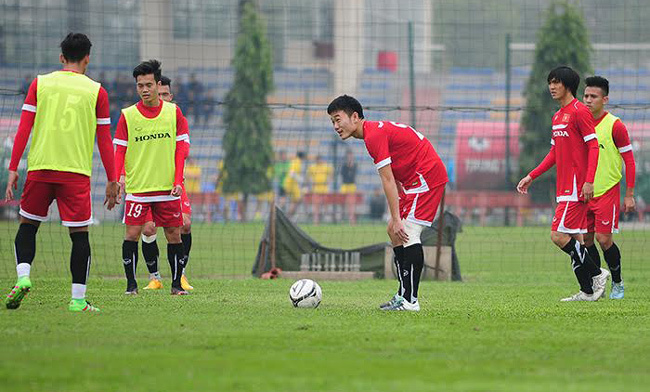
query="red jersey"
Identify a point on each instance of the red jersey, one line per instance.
(414, 161)
(574, 149)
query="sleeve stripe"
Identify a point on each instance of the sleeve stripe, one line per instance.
(29, 108)
(185, 137)
(560, 126)
(120, 142)
(589, 137)
(383, 163)
(104, 121)
(625, 148)
(552, 142)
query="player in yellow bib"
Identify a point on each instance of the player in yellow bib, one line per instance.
(320, 175)
(604, 208)
(66, 111)
(293, 182)
(152, 143)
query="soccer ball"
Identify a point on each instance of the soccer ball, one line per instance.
(305, 293)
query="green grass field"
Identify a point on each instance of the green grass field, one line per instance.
(502, 329)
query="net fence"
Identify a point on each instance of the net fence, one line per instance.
(455, 70)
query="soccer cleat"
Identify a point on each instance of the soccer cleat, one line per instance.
(618, 290)
(178, 291)
(582, 296)
(402, 304)
(18, 293)
(154, 284)
(185, 284)
(131, 289)
(81, 305)
(389, 303)
(600, 281)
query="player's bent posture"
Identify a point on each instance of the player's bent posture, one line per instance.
(152, 143)
(149, 230)
(66, 110)
(574, 149)
(413, 178)
(604, 208)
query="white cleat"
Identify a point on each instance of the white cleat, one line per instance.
(401, 304)
(600, 281)
(582, 296)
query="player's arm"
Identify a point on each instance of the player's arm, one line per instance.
(389, 184)
(27, 116)
(622, 142)
(121, 144)
(585, 124)
(105, 146)
(182, 151)
(547, 163)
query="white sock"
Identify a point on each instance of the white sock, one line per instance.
(23, 269)
(78, 291)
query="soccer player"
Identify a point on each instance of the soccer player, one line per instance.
(413, 178)
(293, 182)
(152, 141)
(604, 208)
(66, 110)
(149, 231)
(574, 149)
(320, 175)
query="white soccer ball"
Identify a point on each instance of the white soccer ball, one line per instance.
(305, 293)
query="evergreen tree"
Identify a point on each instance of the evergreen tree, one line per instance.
(563, 40)
(247, 142)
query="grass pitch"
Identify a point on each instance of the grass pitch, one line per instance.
(503, 329)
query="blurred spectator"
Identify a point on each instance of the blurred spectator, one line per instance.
(320, 176)
(195, 97)
(209, 103)
(229, 203)
(293, 182)
(192, 176)
(24, 86)
(348, 186)
(280, 169)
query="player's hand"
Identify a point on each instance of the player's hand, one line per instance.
(396, 229)
(523, 185)
(629, 205)
(121, 191)
(177, 191)
(12, 183)
(588, 191)
(112, 192)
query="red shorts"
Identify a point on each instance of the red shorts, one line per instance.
(602, 215)
(186, 208)
(570, 217)
(73, 200)
(422, 207)
(162, 213)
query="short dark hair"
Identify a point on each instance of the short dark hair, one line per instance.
(300, 154)
(148, 68)
(567, 76)
(347, 104)
(598, 81)
(165, 81)
(75, 46)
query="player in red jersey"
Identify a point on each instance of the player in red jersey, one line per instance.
(604, 208)
(574, 149)
(150, 249)
(66, 110)
(413, 178)
(152, 141)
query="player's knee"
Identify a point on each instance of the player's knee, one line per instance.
(589, 239)
(560, 239)
(413, 231)
(605, 240)
(173, 235)
(149, 231)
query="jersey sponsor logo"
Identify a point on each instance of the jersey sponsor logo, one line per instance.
(560, 134)
(160, 135)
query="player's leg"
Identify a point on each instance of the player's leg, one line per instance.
(589, 237)
(34, 204)
(151, 253)
(186, 239)
(606, 225)
(568, 224)
(135, 216)
(74, 203)
(398, 257)
(168, 215)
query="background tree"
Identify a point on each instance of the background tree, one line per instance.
(563, 40)
(247, 141)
